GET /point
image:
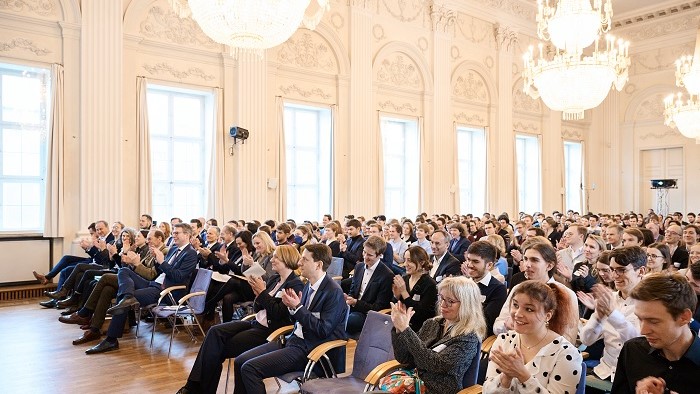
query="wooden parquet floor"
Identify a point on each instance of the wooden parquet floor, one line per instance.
(37, 356)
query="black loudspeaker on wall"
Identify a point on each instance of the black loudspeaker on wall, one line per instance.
(239, 133)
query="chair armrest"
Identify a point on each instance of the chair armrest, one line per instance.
(323, 348)
(171, 289)
(280, 331)
(386, 311)
(381, 370)
(249, 317)
(190, 295)
(475, 389)
(487, 343)
(337, 277)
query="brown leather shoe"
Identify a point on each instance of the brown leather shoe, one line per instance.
(74, 319)
(88, 336)
(58, 294)
(41, 278)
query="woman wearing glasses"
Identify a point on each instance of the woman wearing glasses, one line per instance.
(442, 351)
(658, 257)
(535, 357)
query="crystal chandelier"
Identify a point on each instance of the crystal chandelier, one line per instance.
(251, 25)
(686, 116)
(555, 23)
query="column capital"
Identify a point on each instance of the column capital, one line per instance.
(506, 37)
(442, 17)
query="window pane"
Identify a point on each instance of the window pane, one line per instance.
(573, 163)
(308, 140)
(400, 145)
(471, 153)
(178, 136)
(24, 114)
(527, 152)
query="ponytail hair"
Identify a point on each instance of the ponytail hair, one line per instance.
(564, 320)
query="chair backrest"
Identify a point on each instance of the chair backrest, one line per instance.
(374, 345)
(336, 267)
(581, 389)
(201, 283)
(472, 373)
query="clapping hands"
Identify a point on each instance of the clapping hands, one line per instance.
(400, 316)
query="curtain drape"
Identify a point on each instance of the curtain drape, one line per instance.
(143, 147)
(380, 166)
(281, 162)
(53, 201)
(215, 179)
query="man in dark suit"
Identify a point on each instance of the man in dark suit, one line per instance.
(207, 253)
(679, 254)
(459, 242)
(319, 312)
(480, 258)
(371, 285)
(175, 269)
(444, 264)
(351, 250)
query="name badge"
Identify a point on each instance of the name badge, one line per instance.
(279, 294)
(416, 297)
(438, 278)
(316, 314)
(483, 298)
(439, 348)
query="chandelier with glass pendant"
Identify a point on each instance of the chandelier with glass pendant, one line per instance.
(685, 116)
(251, 25)
(570, 78)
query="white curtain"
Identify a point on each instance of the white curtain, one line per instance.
(53, 203)
(335, 177)
(380, 166)
(281, 162)
(143, 147)
(215, 181)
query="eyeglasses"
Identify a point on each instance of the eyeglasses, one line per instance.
(654, 256)
(447, 301)
(672, 233)
(604, 270)
(620, 270)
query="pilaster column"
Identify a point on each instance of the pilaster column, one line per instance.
(604, 156)
(101, 66)
(364, 185)
(503, 191)
(253, 114)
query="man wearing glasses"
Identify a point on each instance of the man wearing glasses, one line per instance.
(679, 255)
(613, 319)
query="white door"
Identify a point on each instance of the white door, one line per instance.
(662, 164)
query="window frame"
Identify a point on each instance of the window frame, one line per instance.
(580, 188)
(405, 120)
(520, 183)
(472, 129)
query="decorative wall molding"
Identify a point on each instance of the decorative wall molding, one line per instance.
(659, 59)
(304, 93)
(442, 17)
(405, 10)
(652, 108)
(573, 134)
(39, 7)
(472, 29)
(337, 21)
(524, 103)
(378, 32)
(473, 119)
(401, 71)
(520, 126)
(308, 50)
(471, 86)
(398, 108)
(24, 44)
(672, 10)
(506, 37)
(489, 62)
(166, 25)
(660, 28)
(669, 132)
(159, 68)
(630, 88)
(423, 44)
(513, 7)
(454, 53)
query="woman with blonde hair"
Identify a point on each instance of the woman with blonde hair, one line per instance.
(165, 228)
(500, 266)
(535, 357)
(264, 247)
(442, 351)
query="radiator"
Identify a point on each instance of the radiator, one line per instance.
(20, 256)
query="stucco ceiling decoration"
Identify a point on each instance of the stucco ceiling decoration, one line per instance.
(473, 29)
(308, 50)
(166, 25)
(652, 108)
(658, 59)
(38, 7)
(401, 71)
(405, 10)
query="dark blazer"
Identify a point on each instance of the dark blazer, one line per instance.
(277, 312)
(352, 254)
(448, 266)
(378, 292)
(335, 248)
(233, 264)
(179, 271)
(323, 320)
(494, 296)
(211, 260)
(680, 256)
(422, 298)
(458, 247)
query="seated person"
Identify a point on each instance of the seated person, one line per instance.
(174, 269)
(370, 289)
(422, 240)
(613, 319)
(68, 260)
(666, 358)
(351, 249)
(398, 246)
(229, 340)
(444, 264)
(442, 351)
(458, 241)
(319, 313)
(535, 357)
(539, 261)
(207, 252)
(416, 289)
(478, 264)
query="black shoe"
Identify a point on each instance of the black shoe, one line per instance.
(49, 303)
(70, 311)
(104, 346)
(72, 301)
(123, 306)
(58, 294)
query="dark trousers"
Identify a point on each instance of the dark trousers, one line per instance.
(231, 292)
(130, 283)
(355, 322)
(266, 361)
(75, 277)
(224, 341)
(66, 261)
(99, 300)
